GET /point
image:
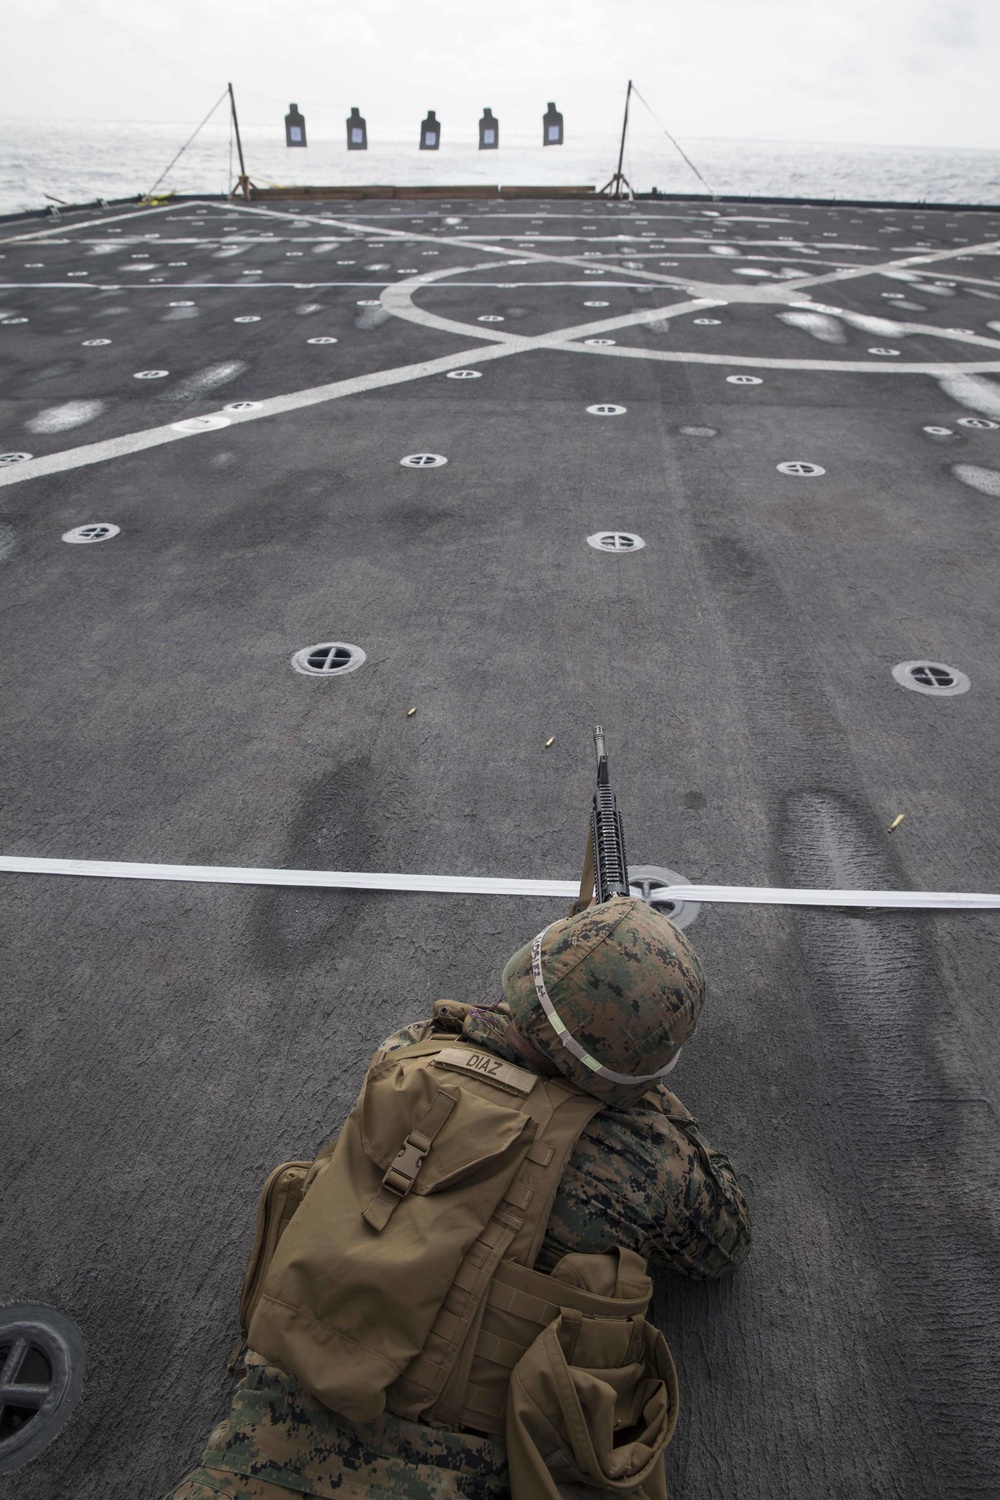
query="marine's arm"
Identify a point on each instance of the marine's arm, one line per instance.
(644, 1176)
(705, 1226)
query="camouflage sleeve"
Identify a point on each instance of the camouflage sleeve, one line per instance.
(643, 1176)
(705, 1230)
(407, 1036)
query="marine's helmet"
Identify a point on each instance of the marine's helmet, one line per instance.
(608, 996)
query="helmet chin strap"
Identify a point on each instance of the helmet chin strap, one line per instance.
(569, 1041)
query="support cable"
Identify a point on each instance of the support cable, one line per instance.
(187, 143)
(670, 138)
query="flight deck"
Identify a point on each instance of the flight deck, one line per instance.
(327, 534)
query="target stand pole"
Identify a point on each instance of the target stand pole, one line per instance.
(618, 180)
(243, 180)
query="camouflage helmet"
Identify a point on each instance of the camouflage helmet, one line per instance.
(608, 996)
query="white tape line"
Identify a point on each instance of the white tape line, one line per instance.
(351, 879)
(764, 895)
(472, 885)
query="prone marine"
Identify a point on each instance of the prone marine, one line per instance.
(449, 1302)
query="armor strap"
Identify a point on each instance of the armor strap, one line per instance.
(402, 1173)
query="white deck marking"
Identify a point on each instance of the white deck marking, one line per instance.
(486, 886)
(397, 298)
(59, 230)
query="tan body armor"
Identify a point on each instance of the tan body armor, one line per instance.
(395, 1273)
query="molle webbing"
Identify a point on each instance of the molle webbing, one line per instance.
(519, 1304)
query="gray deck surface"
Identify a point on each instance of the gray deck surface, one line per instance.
(166, 1044)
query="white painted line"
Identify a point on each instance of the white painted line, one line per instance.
(472, 885)
(60, 230)
(305, 286)
(853, 272)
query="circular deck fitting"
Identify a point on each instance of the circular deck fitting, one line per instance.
(646, 880)
(94, 343)
(243, 406)
(41, 1377)
(597, 304)
(489, 318)
(979, 423)
(615, 541)
(699, 431)
(329, 659)
(799, 469)
(891, 353)
(97, 531)
(606, 411)
(247, 318)
(423, 461)
(14, 458)
(201, 424)
(939, 431)
(464, 374)
(321, 341)
(599, 341)
(150, 374)
(744, 380)
(931, 677)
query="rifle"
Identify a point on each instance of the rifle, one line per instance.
(605, 867)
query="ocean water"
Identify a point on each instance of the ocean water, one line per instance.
(80, 161)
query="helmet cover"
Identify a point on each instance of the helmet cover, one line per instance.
(609, 996)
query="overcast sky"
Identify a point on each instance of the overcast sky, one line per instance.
(919, 72)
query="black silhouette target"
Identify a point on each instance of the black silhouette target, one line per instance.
(41, 1377)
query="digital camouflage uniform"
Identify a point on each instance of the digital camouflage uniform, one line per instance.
(640, 1175)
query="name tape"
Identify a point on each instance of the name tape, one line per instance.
(485, 1065)
(473, 885)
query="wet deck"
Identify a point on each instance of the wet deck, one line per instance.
(165, 1044)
